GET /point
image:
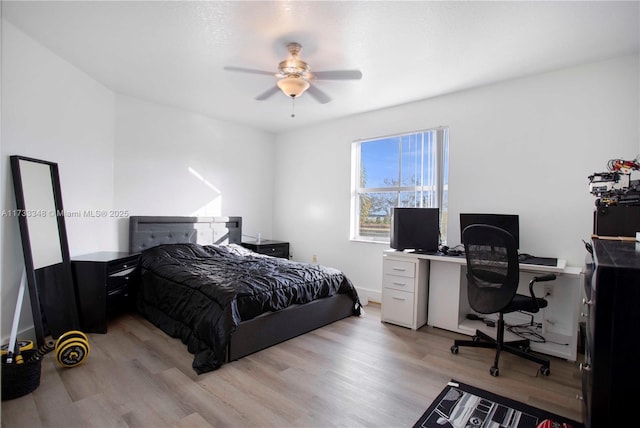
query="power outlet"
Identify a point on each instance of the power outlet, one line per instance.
(314, 259)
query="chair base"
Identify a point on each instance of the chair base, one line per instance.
(516, 347)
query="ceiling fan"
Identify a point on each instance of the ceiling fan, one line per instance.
(295, 77)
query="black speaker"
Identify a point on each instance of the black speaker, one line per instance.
(616, 220)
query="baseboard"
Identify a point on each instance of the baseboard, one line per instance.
(366, 295)
(27, 334)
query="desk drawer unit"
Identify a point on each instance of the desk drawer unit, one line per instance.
(404, 292)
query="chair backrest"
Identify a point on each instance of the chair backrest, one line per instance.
(492, 267)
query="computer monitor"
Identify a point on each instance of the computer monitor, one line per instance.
(508, 222)
(416, 229)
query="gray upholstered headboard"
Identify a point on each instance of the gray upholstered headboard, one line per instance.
(150, 231)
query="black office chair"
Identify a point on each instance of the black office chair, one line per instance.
(493, 274)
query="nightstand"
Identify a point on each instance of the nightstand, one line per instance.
(104, 284)
(269, 247)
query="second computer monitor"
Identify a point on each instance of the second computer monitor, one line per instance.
(508, 222)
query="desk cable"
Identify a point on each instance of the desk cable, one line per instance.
(526, 330)
(529, 331)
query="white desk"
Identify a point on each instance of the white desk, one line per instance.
(448, 305)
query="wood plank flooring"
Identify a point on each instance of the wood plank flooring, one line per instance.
(357, 372)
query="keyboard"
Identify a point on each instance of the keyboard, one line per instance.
(540, 261)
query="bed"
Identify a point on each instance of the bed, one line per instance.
(196, 282)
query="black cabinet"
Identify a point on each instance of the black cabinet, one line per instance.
(269, 247)
(104, 286)
(611, 370)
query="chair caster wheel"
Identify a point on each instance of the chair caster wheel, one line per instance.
(454, 349)
(494, 371)
(545, 371)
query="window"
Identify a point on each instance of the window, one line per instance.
(408, 170)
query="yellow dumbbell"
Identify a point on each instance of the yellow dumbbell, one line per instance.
(21, 345)
(72, 348)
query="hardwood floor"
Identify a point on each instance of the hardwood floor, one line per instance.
(355, 372)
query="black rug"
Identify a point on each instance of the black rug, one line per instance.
(460, 405)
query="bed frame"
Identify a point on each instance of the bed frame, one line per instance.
(258, 333)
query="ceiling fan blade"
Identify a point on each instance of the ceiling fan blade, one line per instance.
(268, 93)
(249, 70)
(337, 75)
(318, 95)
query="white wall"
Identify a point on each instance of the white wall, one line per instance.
(118, 153)
(174, 162)
(524, 146)
(53, 111)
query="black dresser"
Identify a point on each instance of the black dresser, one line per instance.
(611, 370)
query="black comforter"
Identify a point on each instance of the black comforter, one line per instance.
(201, 293)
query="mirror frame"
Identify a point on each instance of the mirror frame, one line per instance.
(51, 288)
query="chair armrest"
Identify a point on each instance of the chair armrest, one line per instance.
(542, 278)
(547, 277)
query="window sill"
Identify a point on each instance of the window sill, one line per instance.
(368, 241)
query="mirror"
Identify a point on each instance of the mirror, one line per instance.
(44, 244)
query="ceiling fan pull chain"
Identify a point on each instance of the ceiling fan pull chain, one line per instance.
(293, 106)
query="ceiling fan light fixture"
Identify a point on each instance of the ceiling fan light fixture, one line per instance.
(295, 76)
(293, 86)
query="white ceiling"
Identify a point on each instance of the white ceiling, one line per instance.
(173, 52)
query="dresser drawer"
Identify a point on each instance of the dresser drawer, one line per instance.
(397, 307)
(275, 251)
(399, 268)
(119, 299)
(269, 248)
(119, 279)
(397, 282)
(122, 265)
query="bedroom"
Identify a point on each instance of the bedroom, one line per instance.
(546, 131)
